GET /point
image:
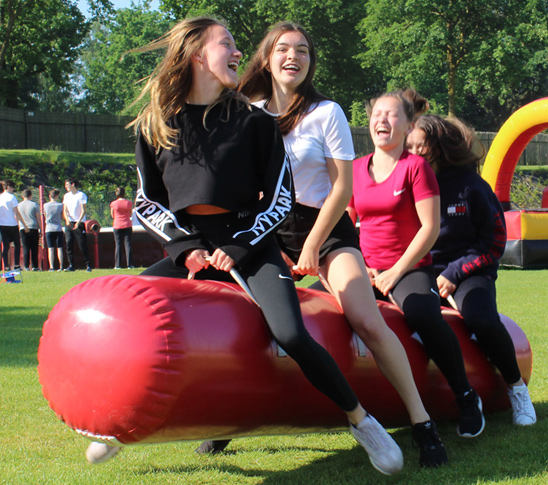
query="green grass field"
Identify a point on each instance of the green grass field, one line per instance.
(37, 448)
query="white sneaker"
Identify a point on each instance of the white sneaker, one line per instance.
(522, 407)
(385, 455)
(100, 452)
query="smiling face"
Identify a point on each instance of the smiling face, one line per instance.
(416, 142)
(289, 61)
(220, 57)
(388, 123)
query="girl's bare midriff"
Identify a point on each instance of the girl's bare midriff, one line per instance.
(204, 210)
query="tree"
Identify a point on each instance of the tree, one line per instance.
(39, 38)
(110, 75)
(454, 50)
(518, 73)
(331, 24)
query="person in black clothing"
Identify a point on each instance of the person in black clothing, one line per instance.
(214, 185)
(75, 213)
(471, 241)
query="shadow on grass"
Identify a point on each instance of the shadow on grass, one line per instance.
(503, 453)
(340, 466)
(20, 332)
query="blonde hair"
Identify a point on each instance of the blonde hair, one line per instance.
(170, 82)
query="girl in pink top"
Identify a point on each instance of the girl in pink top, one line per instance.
(121, 212)
(396, 197)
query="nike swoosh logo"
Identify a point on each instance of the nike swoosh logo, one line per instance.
(282, 277)
(398, 192)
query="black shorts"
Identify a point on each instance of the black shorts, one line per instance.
(293, 232)
(55, 239)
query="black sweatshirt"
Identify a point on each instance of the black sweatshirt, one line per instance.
(236, 161)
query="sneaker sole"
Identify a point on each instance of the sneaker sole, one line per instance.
(468, 435)
(525, 424)
(384, 472)
(114, 450)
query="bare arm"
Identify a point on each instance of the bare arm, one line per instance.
(66, 216)
(428, 211)
(340, 174)
(82, 215)
(17, 215)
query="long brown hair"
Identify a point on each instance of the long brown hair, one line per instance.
(449, 142)
(170, 83)
(256, 82)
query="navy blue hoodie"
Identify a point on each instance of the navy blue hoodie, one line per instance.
(473, 230)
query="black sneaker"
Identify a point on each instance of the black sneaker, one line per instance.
(88, 269)
(432, 449)
(471, 420)
(212, 447)
(69, 268)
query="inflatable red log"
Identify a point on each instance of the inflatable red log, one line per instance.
(128, 359)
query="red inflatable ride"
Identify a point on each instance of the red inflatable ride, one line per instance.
(130, 359)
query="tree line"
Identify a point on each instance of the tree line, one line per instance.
(477, 60)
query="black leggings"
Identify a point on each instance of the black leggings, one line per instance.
(417, 295)
(477, 302)
(270, 281)
(122, 235)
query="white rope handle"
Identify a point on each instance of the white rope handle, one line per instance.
(452, 302)
(237, 278)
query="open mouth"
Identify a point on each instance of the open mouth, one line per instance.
(292, 68)
(382, 131)
(233, 66)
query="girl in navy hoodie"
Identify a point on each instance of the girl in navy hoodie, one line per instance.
(471, 241)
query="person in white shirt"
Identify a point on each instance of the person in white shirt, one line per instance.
(9, 216)
(74, 212)
(318, 237)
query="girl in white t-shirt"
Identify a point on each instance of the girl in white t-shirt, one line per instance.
(318, 237)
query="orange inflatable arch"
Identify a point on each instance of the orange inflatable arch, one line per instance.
(503, 156)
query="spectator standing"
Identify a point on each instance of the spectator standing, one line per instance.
(1, 192)
(29, 229)
(74, 211)
(121, 212)
(9, 215)
(53, 212)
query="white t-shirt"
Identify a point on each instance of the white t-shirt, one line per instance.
(322, 133)
(74, 204)
(7, 203)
